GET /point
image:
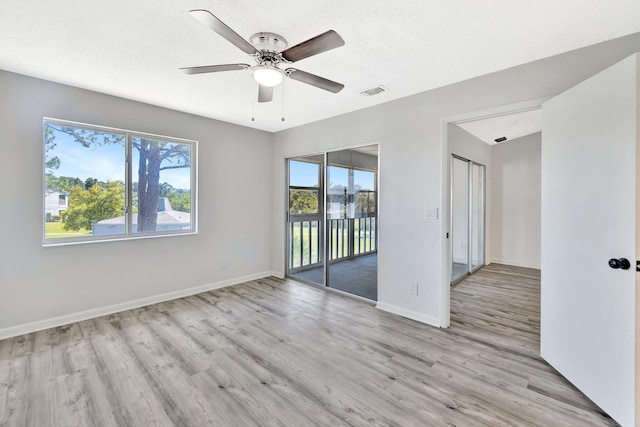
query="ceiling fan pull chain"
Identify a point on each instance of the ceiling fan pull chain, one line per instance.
(253, 109)
(282, 101)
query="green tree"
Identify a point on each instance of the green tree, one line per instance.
(155, 156)
(180, 201)
(89, 182)
(87, 206)
(365, 201)
(62, 183)
(303, 202)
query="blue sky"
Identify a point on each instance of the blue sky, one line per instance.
(305, 174)
(105, 163)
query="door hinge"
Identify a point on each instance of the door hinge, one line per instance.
(637, 265)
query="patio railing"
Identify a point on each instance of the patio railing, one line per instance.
(348, 238)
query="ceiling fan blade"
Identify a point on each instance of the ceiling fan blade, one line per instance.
(318, 44)
(208, 19)
(265, 94)
(313, 80)
(214, 68)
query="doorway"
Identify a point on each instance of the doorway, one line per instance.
(332, 220)
(510, 211)
(467, 217)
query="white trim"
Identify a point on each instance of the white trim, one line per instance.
(278, 274)
(503, 110)
(445, 227)
(515, 263)
(410, 314)
(332, 150)
(109, 129)
(117, 238)
(128, 305)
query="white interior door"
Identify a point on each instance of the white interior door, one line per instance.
(589, 215)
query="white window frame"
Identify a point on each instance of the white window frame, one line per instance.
(128, 167)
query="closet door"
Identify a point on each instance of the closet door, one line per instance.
(468, 184)
(460, 219)
(477, 216)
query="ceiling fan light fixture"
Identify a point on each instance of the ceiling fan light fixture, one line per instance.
(267, 75)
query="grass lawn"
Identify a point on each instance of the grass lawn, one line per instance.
(54, 230)
(364, 242)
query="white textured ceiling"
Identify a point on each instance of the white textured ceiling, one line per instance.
(133, 48)
(510, 126)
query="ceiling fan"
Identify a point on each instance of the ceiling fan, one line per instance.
(269, 50)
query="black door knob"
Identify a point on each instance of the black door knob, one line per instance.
(621, 263)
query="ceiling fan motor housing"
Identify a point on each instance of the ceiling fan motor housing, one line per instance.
(268, 41)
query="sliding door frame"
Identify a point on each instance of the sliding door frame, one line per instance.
(320, 216)
(325, 246)
(482, 221)
(470, 268)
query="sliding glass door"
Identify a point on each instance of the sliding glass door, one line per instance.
(467, 217)
(351, 222)
(332, 224)
(305, 218)
(460, 219)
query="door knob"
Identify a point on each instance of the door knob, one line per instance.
(621, 263)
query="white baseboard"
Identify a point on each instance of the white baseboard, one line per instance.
(278, 274)
(53, 322)
(410, 314)
(515, 263)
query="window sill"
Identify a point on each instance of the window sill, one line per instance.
(54, 243)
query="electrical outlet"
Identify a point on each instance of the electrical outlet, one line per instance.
(414, 289)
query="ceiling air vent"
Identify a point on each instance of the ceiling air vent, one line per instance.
(373, 91)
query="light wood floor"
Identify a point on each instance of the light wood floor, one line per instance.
(277, 353)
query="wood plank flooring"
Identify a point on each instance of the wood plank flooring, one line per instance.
(278, 353)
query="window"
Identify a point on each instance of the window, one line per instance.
(304, 187)
(364, 183)
(352, 193)
(116, 184)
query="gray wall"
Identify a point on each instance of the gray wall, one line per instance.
(234, 195)
(515, 205)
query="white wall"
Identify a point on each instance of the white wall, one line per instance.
(413, 163)
(514, 181)
(468, 146)
(234, 196)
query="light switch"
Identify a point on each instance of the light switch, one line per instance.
(431, 213)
